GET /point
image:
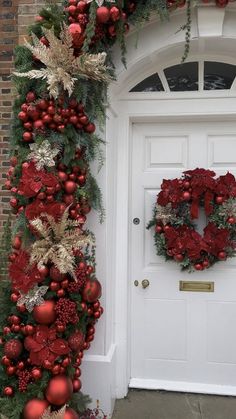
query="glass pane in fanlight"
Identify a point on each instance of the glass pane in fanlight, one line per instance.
(182, 77)
(150, 84)
(218, 76)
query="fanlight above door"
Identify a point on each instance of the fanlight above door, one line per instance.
(192, 76)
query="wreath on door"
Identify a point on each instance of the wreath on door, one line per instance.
(176, 208)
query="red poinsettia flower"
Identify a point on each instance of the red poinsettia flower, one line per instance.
(33, 180)
(45, 345)
(22, 274)
(216, 238)
(226, 186)
(200, 172)
(37, 208)
(185, 240)
(171, 192)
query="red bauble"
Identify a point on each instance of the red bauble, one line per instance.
(198, 267)
(186, 196)
(8, 391)
(13, 348)
(38, 124)
(81, 6)
(23, 116)
(30, 97)
(76, 341)
(70, 414)
(70, 187)
(45, 313)
(103, 14)
(76, 385)
(72, 9)
(114, 13)
(221, 256)
(35, 408)
(158, 229)
(27, 136)
(179, 257)
(77, 34)
(56, 275)
(219, 199)
(59, 390)
(90, 128)
(92, 291)
(36, 373)
(16, 243)
(231, 220)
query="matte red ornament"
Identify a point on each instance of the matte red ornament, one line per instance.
(70, 414)
(92, 291)
(76, 341)
(45, 312)
(59, 390)
(35, 408)
(13, 348)
(103, 14)
(77, 34)
(30, 97)
(56, 275)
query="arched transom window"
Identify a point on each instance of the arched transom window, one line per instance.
(192, 76)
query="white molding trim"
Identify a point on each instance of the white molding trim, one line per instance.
(210, 21)
(161, 43)
(98, 376)
(182, 386)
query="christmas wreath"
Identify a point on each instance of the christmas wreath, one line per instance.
(177, 206)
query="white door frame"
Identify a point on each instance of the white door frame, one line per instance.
(201, 109)
(157, 46)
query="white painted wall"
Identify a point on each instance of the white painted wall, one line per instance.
(105, 371)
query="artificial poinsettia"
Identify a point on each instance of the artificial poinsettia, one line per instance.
(170, 192)
(226, 186)
(216, 239)
(33, 180)
(45, 345)
(23, 275)
(36, 208)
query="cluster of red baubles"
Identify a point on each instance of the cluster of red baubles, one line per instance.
(107, 19)
(37, 115)
(40, 345)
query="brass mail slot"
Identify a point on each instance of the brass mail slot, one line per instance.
(196, 286)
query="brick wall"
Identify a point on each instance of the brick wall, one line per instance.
(15, 16)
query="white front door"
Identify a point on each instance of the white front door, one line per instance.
(182, 341)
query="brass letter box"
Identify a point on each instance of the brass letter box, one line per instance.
(196, 286)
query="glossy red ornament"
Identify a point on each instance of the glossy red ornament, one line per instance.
(70, 414)
(36, 373)
(198, 267)
(59, 390)
(76, 341)
(29, 329)
(45, 312)
(186, 196)
(219, 199)
(90, 128)
(5, 361)
(92, 291)
(23, 116)
(54, 286)
(60, 293)
(70, 187)
(114, 14)
(11, 370)
(27, 136)
(103, 14)
(42, 103)
(231, 220)
(222, 255)
(35, 408)
(20, 365)
(38, 124)
(179, 257)
(8, 391)
(76, 385)
(13, 348)
(13, 202)
(77, 372)
(158, 229)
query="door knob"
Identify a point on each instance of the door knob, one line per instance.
(145, 283)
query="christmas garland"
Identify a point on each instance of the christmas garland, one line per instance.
(50, 304)
(176, 209)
